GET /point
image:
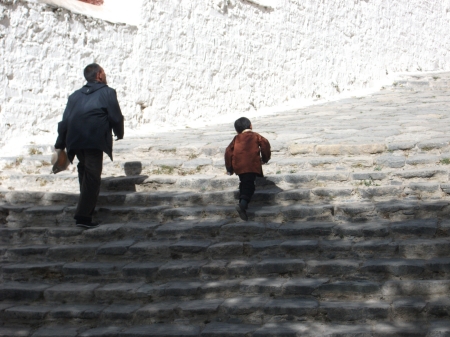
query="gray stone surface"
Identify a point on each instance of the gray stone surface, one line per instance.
(262, 286)
(416, 288)
(294, 246)
(200, 307)
(243, 305)
(118, 292)
(73, 292)
(223, 249)
(158, 310)
(161, 330)
(69, 311)
(92, 269)
(115, 248)
(142, 269)
(117, 312)
(280, 266)
(179, 269)
(426, 227)
(75, 251)
(369, 176)
(349, 288)
(296, 307)
(22, 291)
(332, 267)
(397, 267)
(189, 246)
(424, 248)
(439, 329)
(422, 159)
(27, 312)
(56, 331)
(374, 229)
(111, 331)
(286, 330)
(399, 329)
(354, 311)
(391, 161)
(306, 229)
(302, 286)
(228, 330)
(14, 332)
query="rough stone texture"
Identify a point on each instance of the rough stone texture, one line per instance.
(71, 292)
(162, 330)
(391, 161)
(14, 332)
(243, 305)
(348, 311)
(102, 332)
(56, 331)
(228, 330)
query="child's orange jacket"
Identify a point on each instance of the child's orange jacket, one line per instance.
(246, 152)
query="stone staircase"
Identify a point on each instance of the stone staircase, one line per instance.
(349, 232)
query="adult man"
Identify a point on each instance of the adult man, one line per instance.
(91, 114)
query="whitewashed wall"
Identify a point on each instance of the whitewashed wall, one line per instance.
(191, 59)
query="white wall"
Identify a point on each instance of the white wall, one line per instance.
(206, 58)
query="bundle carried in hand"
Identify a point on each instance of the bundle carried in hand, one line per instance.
(60, 161)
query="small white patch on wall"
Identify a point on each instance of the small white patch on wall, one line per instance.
(116, 11)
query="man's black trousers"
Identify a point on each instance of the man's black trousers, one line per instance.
(89, 176)
(246, 186)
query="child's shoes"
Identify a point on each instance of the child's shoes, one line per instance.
(241, 208)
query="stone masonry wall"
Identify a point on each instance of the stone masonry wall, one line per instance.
(197, 59)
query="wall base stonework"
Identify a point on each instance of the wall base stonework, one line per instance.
(187, 60)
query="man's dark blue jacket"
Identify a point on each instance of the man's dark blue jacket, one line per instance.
(91, 114)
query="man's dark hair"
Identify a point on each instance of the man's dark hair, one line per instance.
(91, 71)
(241, 124)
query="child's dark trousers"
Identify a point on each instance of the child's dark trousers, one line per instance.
(246, 186)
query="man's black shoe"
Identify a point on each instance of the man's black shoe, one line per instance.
(88, 225)
(242, 212)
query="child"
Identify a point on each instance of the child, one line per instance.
(244, 156)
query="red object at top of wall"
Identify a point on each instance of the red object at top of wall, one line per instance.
(93, 2)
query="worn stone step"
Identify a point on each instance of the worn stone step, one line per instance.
(130, 158)
(59, 215)
(219, 329)
(18, 216)
(242, 309)
(377, 260)
(355, 193)
(199, 249)
(13, 293)
(223, 229)
(68, 182)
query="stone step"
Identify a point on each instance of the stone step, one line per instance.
(219, 329)
(131, 159)
(224, 230)
(361, 192)
(23, 293)
(68, 182)
(247, 308)
(19, 216)
(330, 157)
(156, 260)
